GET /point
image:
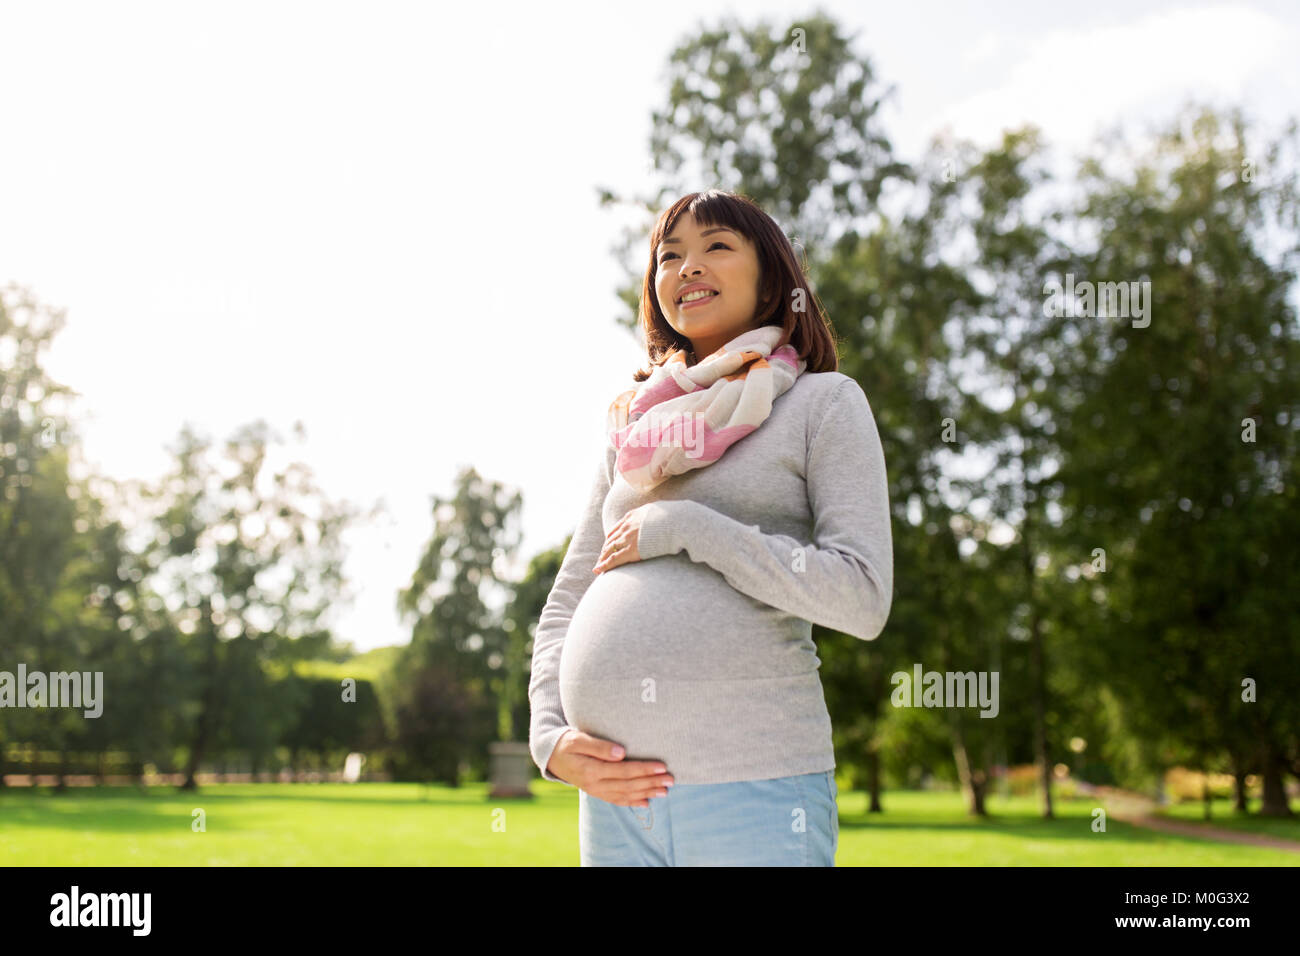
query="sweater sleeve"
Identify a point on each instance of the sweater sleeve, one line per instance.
(844, 579)
(547, 723)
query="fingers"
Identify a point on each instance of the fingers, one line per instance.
(610, 766)
(635, 769)
(634, 792)
(615, 532)
(621, 782)
(618, 549)
(609, 557)
(644, 789)
(590, 745)
(633, 782)
(614, 538)
(610, 769)
(630, 769)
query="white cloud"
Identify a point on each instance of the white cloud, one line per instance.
(1072, 82)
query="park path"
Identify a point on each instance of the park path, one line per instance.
(1139, 810)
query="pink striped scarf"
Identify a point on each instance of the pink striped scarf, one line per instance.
(701, 411)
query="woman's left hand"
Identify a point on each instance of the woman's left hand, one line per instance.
(620, 543)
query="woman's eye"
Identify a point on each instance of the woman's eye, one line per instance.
(716, 242)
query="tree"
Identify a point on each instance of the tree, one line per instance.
(522, 616)
(1181, 455)
(61, 597)
(455, 601)
(249, 563)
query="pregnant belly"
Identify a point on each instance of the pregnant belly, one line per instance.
(670, 618)
(664, 653)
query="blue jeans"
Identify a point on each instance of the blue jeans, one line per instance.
(784, 821)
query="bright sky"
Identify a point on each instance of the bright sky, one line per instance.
(381, 218)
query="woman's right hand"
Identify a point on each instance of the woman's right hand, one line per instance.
(589, 764)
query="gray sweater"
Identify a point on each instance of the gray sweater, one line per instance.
(700, 655)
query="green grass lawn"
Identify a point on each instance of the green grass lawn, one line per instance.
(1223, 815)
(407, 824)
(932, 829)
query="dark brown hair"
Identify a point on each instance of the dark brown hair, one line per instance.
(779, 271)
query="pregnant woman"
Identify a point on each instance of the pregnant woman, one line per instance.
(742, 498)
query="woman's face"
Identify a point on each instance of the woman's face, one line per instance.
(718, 259)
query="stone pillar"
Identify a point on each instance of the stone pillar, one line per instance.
(511, 769)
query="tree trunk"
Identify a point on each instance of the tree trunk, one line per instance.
(1037, 669)
(204, 727)
(1040, 716)
(1275, 802)
(972, 780)
(1239, 783)
(873, 781)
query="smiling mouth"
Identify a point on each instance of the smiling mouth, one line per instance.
(704, 298)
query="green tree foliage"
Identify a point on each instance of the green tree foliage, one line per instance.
(527, 602)
(455, 601)
(321, 720)
(61, 595)
(895, 302)
(248, 559)
(1181, 453)
(786, 114)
